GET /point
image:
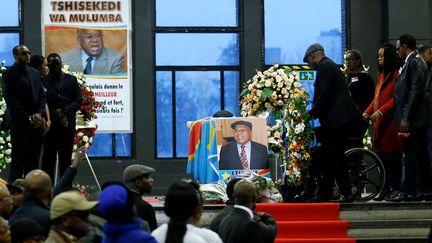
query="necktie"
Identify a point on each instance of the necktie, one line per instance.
(243, 157)
(88, 68)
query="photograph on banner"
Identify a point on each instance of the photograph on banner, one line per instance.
(242, 144)
(93, 38)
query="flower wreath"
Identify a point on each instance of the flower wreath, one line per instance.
(5, 140)
(280, 91)
(86, 114)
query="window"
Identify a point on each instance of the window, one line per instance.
(10, 29)
(197, 67)
(291, 26)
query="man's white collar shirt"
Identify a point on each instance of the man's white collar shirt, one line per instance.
(84, 57)
(245, 209)
(405, 62)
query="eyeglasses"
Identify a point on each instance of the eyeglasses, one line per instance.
(25, 53)
(350, 59)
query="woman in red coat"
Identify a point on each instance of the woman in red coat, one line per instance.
(385, 140)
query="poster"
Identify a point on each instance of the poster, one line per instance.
(93, 37)
(226, 137)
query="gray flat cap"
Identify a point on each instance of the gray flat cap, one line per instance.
(246, 123)
(312, 49)
(133, 172)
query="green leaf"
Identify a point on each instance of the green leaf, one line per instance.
(245, 92)
(266, 93)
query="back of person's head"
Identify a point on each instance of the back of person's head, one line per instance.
(116, 203)
(409, 41)
(181, 202)
(38, 184)
(391, 59)
(245, 193)
(230, 188)
(36, 61)
(26, 229)
(424, 48)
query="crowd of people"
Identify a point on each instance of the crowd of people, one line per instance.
(399, 106)
(42, 102)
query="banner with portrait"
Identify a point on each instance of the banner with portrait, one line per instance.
(94, 37)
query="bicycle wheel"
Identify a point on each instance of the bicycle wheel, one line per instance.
(366, 173)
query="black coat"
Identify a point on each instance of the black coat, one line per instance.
(409, 92)
(230, 159)
(33, 208)
(24, 95)
(145, 210)
(63, 93)
(362, 89)
(238, 227)
(332, 103)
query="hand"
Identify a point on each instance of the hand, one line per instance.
(77, 157)
(36, 120)
(64, 121)
(404, 125)
(375, 116)
(365, 115)
(59, 113)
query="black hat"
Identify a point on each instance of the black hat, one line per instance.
(246, 123)
(312, 49)
(223, 113)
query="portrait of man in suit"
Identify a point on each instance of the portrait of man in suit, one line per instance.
(92, 57)
(243, 153)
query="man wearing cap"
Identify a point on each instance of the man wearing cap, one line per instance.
(336, 111)
(69, 215)
(243, 153)
(139, 181)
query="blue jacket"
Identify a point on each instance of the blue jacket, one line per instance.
(130, 232)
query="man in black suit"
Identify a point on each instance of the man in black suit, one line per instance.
(25, 99)
(240, 225)
(138, 178)
(243, 153)
(411, 113)
(64, 99)
(337, 113)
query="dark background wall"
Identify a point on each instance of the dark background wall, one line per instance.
(370, 23)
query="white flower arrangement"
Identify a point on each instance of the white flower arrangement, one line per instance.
(280, 91)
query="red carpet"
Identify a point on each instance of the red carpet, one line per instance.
(307, 222)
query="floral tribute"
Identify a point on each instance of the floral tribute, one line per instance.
(279, 91)
(86, 115)
(5, 140)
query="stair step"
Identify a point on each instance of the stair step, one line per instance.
(312, 229)
(316, 240)
(301, 211)
(389, 233)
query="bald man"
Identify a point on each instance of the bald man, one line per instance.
(37, 197)
(240, 225)
(6, 204)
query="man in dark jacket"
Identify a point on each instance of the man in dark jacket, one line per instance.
(25, 99)
(337, 113)
(37, 197)
(411, 114)
(240, 225)
(139, 181)
(64, 99)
